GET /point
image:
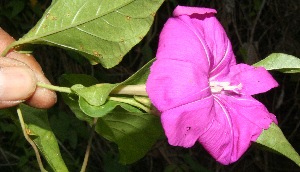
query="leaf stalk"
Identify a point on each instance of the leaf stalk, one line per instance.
(37, 154)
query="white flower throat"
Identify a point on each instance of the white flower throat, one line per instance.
(218, 87)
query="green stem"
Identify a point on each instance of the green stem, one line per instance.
(9, 47)
(123, 89)
(131, 90)
(37, 154)
(88, 148)
(131, 102)
(54, 88)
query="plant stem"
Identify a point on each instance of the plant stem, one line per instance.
(88, 148)
(37, 154)
(54, 88)
(123, 89)
(131, 90)
(131, 102)
(9, 47)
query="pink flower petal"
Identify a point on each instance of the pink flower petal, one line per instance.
(181, 41)
(238, 122)
(184, 124)
(172, 83)
(182, 10)
(254, 79)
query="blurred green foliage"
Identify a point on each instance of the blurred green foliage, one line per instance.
(256, 28)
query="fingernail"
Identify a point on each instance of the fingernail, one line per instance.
(16, 83)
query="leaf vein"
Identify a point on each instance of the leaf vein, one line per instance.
(77, 13)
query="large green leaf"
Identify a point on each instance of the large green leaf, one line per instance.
(134, 133)
(282, 62)
(274, 139)
(101, 30)
(42, 135)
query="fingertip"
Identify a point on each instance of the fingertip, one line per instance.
(5, 40)
(16, 83)
(42, 98)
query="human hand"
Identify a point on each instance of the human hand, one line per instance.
(19, 74)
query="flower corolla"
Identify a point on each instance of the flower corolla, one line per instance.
(202, 93)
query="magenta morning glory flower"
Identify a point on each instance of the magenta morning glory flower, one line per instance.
(202, 94)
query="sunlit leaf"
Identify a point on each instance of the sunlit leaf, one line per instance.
(42, 135)
(134, 133)
(101, 30)
(282, 62)
(274, 139)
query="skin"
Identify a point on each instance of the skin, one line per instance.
(19, 74)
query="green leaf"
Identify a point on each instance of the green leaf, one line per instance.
(281, 62)
(95, 95)
(274, 139)
(101, 30)
(42, 135)
(100, 111)
(134, 133)
(71, 100)
(140, 77)
(93, 99)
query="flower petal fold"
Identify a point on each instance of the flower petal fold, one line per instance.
(173, 83)
(238, 122)
(218, 43)
(183, 125)
(254, 80)
(212, 36)
(183, 10)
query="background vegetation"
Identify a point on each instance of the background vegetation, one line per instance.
(256, 28)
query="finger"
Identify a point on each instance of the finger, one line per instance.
(5, 40)
(41, 98)
(17, 82)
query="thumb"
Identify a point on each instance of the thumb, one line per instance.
(17, 82)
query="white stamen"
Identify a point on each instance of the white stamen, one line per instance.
(218, 87)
